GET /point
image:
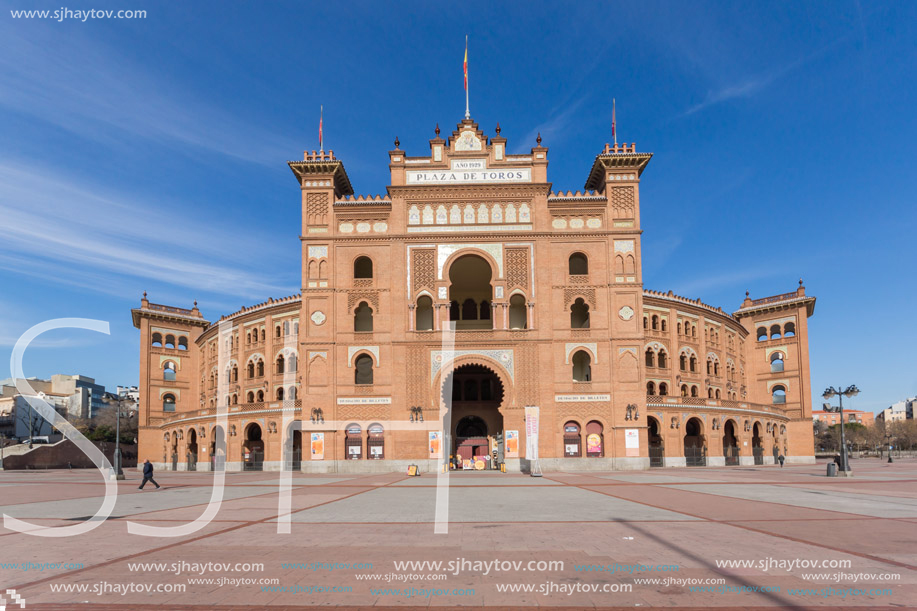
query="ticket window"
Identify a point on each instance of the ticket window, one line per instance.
(375, 443)
(572, 440)
(353, 443)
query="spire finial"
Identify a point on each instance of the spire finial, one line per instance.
(538, 139)
(144, 294)
(397, 143)
(437, 130)
(800, 282)
(195, 303)
(747, 294)
(498, 128)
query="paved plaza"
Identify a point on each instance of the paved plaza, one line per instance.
(661, 538)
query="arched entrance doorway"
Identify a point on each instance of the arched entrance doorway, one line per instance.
(293, 461)
(730, 443)
(757, 444)
(217, 449)
(192, 450)
(253, 449)
(657, 446)
(477, 424)
(470, 293)
(695, 446)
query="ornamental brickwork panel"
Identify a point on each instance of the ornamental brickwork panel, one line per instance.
(317, 208)
(423, 270)
(622, 202)
(517, 268)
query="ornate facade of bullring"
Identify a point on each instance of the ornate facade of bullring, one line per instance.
(545, 290)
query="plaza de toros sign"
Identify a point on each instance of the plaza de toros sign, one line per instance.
(468, 171)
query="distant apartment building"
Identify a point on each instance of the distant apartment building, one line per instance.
(71, 395)
(898, 412)
(850, 415)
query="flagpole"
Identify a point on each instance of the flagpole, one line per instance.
(467, 111)
(614, 127)
(321, 136)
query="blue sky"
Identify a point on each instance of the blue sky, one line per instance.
(150, 154)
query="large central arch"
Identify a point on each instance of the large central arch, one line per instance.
(479, 394)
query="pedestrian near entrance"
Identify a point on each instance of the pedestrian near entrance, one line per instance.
(147, 475)
(781, 458)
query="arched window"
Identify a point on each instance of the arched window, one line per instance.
(260, 368)
(655, 322)
(572, 445)
(182, 343)
(251, 369)
(280, 364)
(260, 396)
(650, 358)
(291, 393)
(663, 389)
(717, 394)
(469, 309)
(363, 267)
(651, 388)
(424, 314)
(709, 367)
(235, 399)
(518, 312)
(168, 403)
(454, 310)
(693, 330)
(250, 397)
(663, 359)
(646, 322)
(662, 324)
(789, 330)
(775, 331)
(692, 363)
(693, 391)
(683, 362)
(716, 368)
(582, 366)
(292, 364)
(579, 314)
(678, 328)
(263, 334)
(778, 394)
(684, 390)
(168, 371)
(278, 332)
(363, 370)
(280, 393)
(709, 393)
(248, 337)
(170, 341)
(157, 340)
(776, 362)
(578, 264)
(363, 318)
(485, 310)
(286, 327)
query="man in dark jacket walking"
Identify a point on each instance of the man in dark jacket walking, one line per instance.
(147, 474)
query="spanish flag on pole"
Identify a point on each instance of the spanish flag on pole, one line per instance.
(465, 64)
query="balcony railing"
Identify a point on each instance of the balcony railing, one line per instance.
(676, 400)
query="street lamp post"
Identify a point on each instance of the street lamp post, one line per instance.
(850, 391)
(888, 444)
(119, 473)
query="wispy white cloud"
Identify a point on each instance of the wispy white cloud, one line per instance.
(88, 89)
(751, 85)
(70, 230)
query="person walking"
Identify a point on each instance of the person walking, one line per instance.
(147, 475)
(781, 458)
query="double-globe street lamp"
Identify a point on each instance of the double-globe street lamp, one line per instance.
(850, 391)
(888, 444)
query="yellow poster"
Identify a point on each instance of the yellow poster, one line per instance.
(435, 444)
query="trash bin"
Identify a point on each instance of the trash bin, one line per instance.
(832, 469)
